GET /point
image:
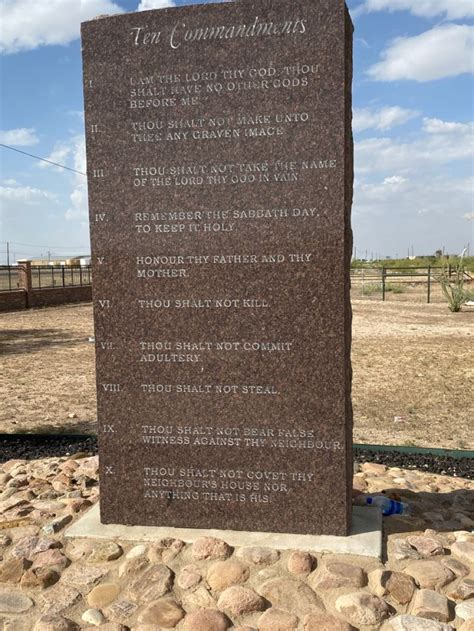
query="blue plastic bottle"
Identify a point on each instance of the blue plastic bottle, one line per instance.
(388, 506)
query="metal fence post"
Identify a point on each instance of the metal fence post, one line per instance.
(80, 275)
(383, 284)
(429, 284)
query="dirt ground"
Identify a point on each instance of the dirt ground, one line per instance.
(413, 373)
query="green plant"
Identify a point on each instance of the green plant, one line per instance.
(371, 289)
(395, 288)
(452, 285)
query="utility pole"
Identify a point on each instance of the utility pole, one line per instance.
(8, 253)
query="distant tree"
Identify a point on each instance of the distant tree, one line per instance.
(439, 254)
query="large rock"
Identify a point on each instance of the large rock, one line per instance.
(165, 550)
(258, 555)
(463, 590)
(335, 574)
(39, 578)
(395, 584)
(55, 623)
(429, 574)
(238, 601)
(131, 567)
(431, 605)
(103, 595)
(413, 623)
(105, 552)
(93, 617)
(426, 545)
(362, 608)
(465, 610)
(198, 598)
(325, 622)
(464, 550)
(301, 563)
(455, 566)
(224, 574)
(291, 595)
(12, 570)
(206, 620)
(210, 548)
(14, 602)
(53, 558)
(83, 577)
(58, 598)
(277, 620)
(189, 577)
(152, 584)
(164, 612)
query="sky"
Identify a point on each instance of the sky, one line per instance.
(413, 125)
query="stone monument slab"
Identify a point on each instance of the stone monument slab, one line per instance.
(219, 154)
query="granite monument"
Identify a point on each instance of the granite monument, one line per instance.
(220, 171)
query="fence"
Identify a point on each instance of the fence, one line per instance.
(45, 276)
(409, 284)
(25, 285)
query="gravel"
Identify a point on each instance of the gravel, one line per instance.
(33, 446)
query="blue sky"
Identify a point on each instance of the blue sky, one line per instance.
(413, 124)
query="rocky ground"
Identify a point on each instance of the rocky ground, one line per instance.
(48, 583)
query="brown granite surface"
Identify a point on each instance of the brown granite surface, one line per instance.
(220, 182)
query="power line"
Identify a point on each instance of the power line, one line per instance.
(56, 164)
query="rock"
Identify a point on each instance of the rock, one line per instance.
(54, 623)
(189, 577)
(152, 584)
(325, 622)
(400, 549)
(105, 552)
(165, 550)
(103, 595)
(277, 620)
(467, 626)
(210, 548)
(426, 546)
(464, 550)
(373, 467)
(300, 563)
(120, 611)
(205, 620)
(56, 525)
(429, 574)
(39, 578)
(465, 610)
(132, 567)
(291, 595)
(94, 617)
(413, 623)
(58, 598)
(136, 551)
(238, 601)
(14, 602)
(53, 558)
(11, 571)
(199, 598)
(164, 612)
(224, 574)
(258, 555)
(83, 577)
(431, 605)
(396, 584)
(463, 590)
(336, 574)
(29, 546)
(456, 567)
(362, 608)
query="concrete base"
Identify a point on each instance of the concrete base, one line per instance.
(365, 538)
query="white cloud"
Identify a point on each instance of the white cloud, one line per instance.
(24, 194)
(20, 137)
(59, 154)
(469, 216)
(78, 197)
(383, 118)
(444, 51)
(145, 5)
(437, 126)
(451, 9)
(27, 24)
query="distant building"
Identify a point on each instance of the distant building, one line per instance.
(75, 261)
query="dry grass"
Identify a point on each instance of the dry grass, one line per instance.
(413, 366)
